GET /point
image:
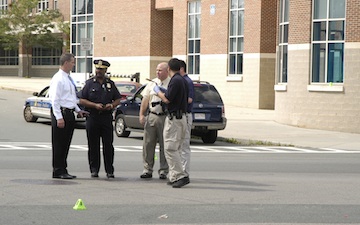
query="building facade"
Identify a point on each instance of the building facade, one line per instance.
(298, 57)
(318, 69)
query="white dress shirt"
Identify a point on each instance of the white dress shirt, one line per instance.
(62, 93)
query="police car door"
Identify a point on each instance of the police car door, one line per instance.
(42, 104)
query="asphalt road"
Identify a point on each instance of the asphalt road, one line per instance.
(225, 188)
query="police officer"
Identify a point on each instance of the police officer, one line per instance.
(176, 98)
(100, 96)
(154, 123)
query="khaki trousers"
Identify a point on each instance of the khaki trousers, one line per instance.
(174, 134)
(186, 152)
(153, 134)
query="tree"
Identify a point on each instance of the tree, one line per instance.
(22, 27)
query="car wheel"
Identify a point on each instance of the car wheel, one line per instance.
(210, 137)
(120, 126)
(28, 116)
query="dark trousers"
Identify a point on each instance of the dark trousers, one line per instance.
(100, 127)
(61, 140)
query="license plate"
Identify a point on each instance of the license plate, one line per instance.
(199, 116)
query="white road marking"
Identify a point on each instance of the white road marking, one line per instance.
(6, 146)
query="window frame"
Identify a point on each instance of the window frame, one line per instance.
(320, 71)
(40, 58)
(9, 57)
(236, 39)
(43, 5)
(81, 20)
(282, 63)
(194, 38)
(4, 5)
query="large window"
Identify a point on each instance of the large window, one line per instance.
(9, 57)
(3, 5)
(194, 14)
(328, 38)
(81, 27)
(43, 5)
(45, 56)
(283, 41)
(236, 38)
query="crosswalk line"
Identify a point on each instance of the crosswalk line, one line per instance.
(35, 146)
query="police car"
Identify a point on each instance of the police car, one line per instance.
(39, 105)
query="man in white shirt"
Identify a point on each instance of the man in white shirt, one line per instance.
(154, 123)
(62, 93)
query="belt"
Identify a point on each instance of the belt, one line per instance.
(63, 109)
(159, 114)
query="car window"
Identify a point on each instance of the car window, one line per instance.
(207, 94)
(138, 96)
(44, 92)
(128, 88)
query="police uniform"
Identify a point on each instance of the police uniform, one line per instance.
(153, 130)
(99, 124)
(175, 126)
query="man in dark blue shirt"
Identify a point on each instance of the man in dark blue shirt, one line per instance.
(186, 152)
(100, 96)
(176, 98)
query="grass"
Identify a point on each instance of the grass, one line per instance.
(251, 142)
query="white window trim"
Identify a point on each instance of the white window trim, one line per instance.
(325, 88)
(280, 87)
(234, 78)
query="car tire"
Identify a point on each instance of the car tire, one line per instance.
(120, 126)
(210, 137)
(28, 116)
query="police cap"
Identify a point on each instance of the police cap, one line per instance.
(101, 64)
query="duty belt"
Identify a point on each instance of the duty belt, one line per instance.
(158, 114)
(178, 114)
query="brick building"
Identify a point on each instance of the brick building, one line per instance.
(297, 57)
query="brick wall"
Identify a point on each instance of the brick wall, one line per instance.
(180, 27)
(300, 21)
(268, 26)
(214, 28)
(164, 4)
(122, 28)
(64, 7)
(161, 32)
(252, 26)
(352, 21)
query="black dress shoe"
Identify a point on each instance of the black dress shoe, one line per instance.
(110, 175)
(94, 174)
(63, 176)
(146, 175)
(181, 182)
(162, 176)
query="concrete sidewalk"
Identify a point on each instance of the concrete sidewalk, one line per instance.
(244, 125)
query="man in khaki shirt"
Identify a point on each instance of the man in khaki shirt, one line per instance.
(154, 123)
